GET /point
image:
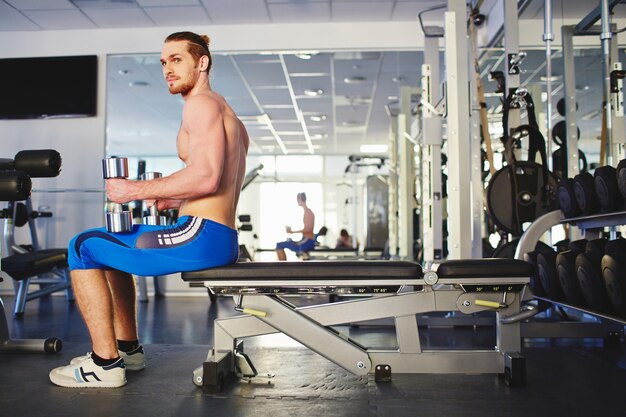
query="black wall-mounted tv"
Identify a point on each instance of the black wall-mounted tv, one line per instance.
(48, 87)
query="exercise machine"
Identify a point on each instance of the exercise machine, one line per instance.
(15, 186)
(397, 289)
(31, 264)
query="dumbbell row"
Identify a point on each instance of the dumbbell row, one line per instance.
(589, 274)
(586, 194)
(117, 219)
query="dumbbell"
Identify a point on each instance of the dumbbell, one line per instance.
(621, 177)
(546, 271)
(153, 218)
(585, 194)
(589, 274)
(117, 219)
(607, 189)
(566, 272)
(614, 274)
(535, 283)
(567, 198)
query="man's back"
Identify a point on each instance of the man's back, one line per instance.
(220, 206)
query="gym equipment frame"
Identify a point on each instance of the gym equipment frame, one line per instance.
(397, 289)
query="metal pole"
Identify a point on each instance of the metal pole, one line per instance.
(458, 129)
(605, 37)
(548, 37)
(393, 187)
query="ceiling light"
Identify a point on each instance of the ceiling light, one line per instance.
(373, 148)
(354, 80)
(138, 84)
(318, 136)
(552, 78)
(313, 93)
(123, 72)
(306, 55)
(318, 117)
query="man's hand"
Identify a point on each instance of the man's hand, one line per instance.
(120, 190)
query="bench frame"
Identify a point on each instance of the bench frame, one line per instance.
(271, 313)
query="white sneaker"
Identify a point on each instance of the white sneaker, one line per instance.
(134, 361)
(86, 374)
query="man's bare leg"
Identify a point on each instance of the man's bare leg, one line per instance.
(281, 255)
(95, 302)
(125, 304)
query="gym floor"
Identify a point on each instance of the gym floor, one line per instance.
(566, 377)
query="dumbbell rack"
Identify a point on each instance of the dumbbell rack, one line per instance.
(606, 326)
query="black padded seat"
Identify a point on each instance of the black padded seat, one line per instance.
(484, 268)
(337, 250)
(26, 265)
(310, 270)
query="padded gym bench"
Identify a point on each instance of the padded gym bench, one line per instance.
(398, 289)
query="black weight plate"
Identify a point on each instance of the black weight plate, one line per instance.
(605, 184)
(559, 133)
(621, 177)
(585, 194)
(566, 273)
(509, 209)
(567, 199)
(546, 269)
(559, 164)
(560, 106)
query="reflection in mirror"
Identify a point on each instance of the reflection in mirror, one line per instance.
(304, 103)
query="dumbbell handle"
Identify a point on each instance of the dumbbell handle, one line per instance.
(153, 218)
(115, 168)
(117, 220)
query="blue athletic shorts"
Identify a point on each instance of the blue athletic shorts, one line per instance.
(299, 246)
(193, 243)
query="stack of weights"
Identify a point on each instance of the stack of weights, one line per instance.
(600, 193)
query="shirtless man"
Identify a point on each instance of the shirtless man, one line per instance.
(308, 235)
(213, 143)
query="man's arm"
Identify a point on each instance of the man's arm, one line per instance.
(203, 121)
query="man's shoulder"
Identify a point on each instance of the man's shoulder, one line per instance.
(203, 100)
(202, 104)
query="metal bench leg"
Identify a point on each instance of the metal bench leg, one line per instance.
(20, 297)
(50, 345)
(142, 285)
(69, 293)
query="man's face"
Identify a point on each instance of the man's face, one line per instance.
(179, 67)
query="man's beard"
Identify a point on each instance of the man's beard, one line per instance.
(183, 88)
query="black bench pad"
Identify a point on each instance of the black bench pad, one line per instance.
(483, 268)
(26, 265)
(337, 270)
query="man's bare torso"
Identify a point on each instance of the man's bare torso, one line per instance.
(220, 206)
